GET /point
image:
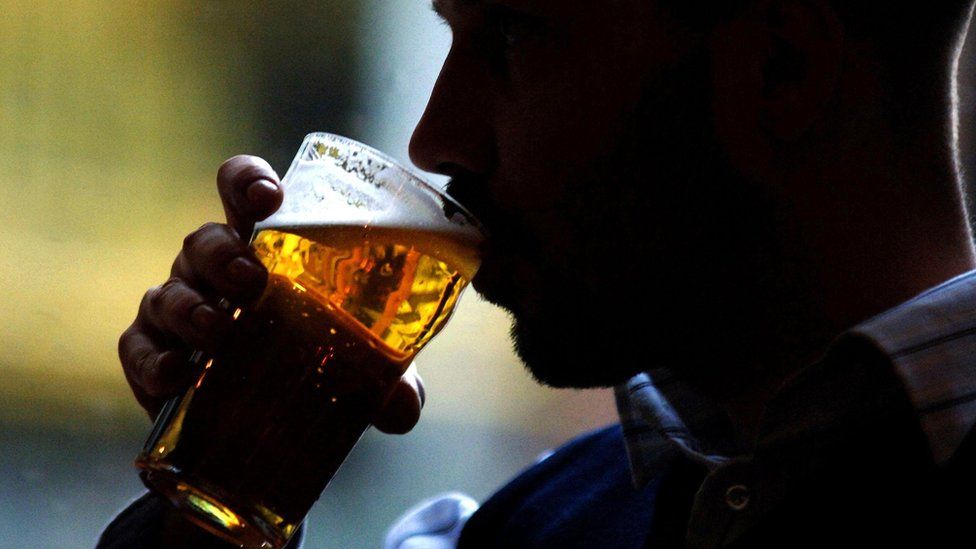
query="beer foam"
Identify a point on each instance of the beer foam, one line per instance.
(350, 187)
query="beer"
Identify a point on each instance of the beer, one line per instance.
(250, 447)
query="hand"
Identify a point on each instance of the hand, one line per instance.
(181, 315)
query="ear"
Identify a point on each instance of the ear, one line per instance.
(801, 65)
(775, 66)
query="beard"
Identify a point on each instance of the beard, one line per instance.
(667, 251)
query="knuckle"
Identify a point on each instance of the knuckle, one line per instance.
(162, 294)
(227, 247)
(212, 242)
(144, 362)
(167, 296)
(193, 239)
(182, 299)
(139, 365)
(152, 299)
(147, 372)
(125, 342)
(181, 267)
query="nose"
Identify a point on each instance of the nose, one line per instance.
(455, 133)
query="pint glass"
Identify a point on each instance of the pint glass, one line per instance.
(366, 263)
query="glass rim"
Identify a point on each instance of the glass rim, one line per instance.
(416, 178)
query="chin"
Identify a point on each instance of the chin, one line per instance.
(564, 343)
(557, 354)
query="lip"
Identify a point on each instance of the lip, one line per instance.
(493, 280)
(487, 272)
(509, 277)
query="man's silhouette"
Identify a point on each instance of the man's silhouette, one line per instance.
(721, 211)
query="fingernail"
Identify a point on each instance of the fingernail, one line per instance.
(262, 188)
(204, 318)
(245, 270)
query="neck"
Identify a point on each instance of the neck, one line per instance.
(877, 224)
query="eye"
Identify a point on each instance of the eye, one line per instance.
(514, 27)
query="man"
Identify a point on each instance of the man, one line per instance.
(716, 209)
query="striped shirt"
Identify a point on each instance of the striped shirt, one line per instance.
(924, 348)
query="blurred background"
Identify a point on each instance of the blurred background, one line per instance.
(113, 119)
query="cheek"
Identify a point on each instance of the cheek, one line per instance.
(540, 152)
(562, 108)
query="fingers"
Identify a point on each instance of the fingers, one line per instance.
(250, 190)
(155, 350)
(154, 373)
(180, 314)
(402, 410)
(176, 309)
(215, 260)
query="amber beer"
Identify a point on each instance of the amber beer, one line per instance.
(253, 443)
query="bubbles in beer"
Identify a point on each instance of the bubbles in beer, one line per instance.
(399, 294)
(366, 263)
(318, 194)
(272, 416)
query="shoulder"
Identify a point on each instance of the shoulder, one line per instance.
(929, 343)
(579, 496)
(598, 453)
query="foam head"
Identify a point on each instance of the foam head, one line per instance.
(337, 182)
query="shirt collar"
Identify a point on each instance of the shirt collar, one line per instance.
(661, 416)
(929, 340)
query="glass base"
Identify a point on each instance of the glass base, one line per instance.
(256, 527)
